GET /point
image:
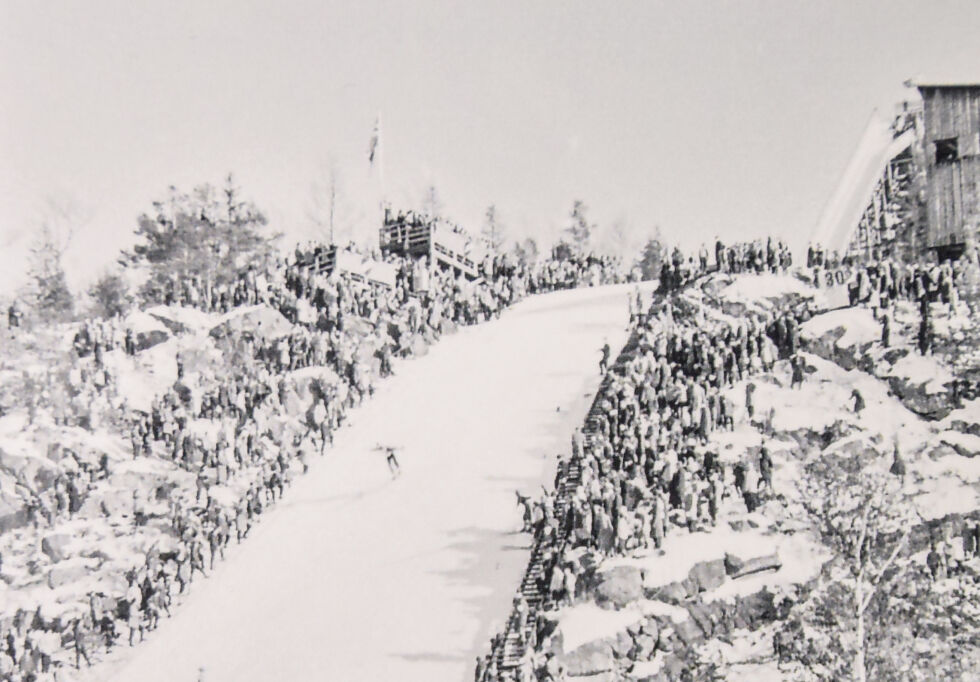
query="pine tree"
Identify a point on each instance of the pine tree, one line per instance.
(580, 230)
(526, 252)
(110, 295)
(207, 235)
(48, 290)
(493, 231)
(651, 258)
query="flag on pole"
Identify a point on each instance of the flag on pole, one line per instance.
(374, 149)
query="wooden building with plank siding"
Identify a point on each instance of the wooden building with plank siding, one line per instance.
(952, 153)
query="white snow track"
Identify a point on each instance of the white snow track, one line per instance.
(355, 576)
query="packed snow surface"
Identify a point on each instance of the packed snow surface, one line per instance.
(356, 576)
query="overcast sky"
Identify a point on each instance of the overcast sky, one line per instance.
(705, 118)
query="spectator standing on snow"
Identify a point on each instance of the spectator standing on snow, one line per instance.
(797, 366)
(898, 464)
(859, 404)
(750, 399)
(133, 617)
(765, 467)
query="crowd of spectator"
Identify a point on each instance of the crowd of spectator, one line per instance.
(756, 256)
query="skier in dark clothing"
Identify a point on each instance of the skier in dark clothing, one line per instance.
(393, 466)
(898, 464)
(858, 401)
(604, 361)
(765, 467)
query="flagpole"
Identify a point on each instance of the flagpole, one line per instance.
(381, 157)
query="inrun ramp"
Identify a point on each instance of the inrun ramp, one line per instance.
(842, 214)
(355, 576)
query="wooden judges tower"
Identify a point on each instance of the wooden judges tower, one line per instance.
(415, 236)
(952, 151)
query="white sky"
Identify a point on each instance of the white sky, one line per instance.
(732, 118)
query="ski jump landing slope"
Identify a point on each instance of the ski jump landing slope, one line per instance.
(840, 218)
(355, 576)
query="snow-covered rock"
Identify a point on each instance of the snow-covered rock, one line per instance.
(259, 321)
(619, 586)
(842, 336)
(55, 546)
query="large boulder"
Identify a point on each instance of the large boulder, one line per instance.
(753, 609)
(55, 546)
(769, 562)
(705, 617)
(707, 575)
(733, 564)
(964, 444)
(671, 593)
(65, 573)
(689, 632)
(621, 644)
(619, 587)
(918, 398)
(13, 514)
(921, 383)
(259, 321)
(644, 646)
(589, 659)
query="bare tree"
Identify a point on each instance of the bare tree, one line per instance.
(325, 211)
(862, 517)
(431, 203)
(47, 290)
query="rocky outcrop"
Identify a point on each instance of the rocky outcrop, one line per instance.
(844, 337)
(919, 397)
(67, 572)
(670, 641)
(964, 444)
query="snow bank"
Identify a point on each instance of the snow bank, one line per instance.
(258, 320)
(925, 371)
(849, 326)
(181, 320)
(753, 289)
